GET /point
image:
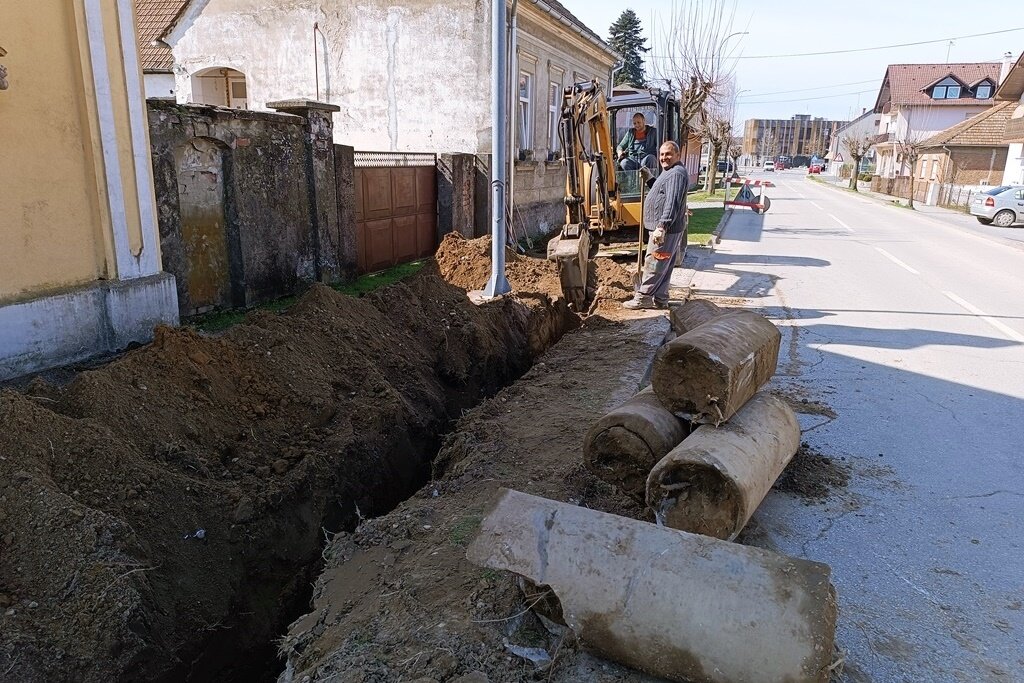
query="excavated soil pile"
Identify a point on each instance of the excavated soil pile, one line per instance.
(161, 516)
(467, 263)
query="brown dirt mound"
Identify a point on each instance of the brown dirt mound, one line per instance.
(179, 497)
(813, 476)
(467, 264)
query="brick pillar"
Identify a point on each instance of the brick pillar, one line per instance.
(321, 183)
(456, 195)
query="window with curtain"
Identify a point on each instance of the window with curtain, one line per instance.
(525, 120)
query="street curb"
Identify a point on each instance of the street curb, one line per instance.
(717, 234)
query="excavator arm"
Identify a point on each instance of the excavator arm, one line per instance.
(590, 185)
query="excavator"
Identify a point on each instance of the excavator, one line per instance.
(603, 204)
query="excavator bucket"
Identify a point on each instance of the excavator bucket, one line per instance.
(571, 251)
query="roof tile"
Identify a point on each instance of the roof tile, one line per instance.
(982, 130)
(906, 82)
(152, 17)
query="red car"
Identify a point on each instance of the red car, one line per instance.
(815, 168)
(780, 166)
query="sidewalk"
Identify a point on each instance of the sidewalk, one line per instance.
(1012, 237)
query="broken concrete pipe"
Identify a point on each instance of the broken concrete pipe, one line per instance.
(668, 603)
(714, 480)
(693, 314)
(623, 446)
(708, 373)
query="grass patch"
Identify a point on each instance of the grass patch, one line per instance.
(719, 195)
(218, 321)
(464, 529)
(702, 224)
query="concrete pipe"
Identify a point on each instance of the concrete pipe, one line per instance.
(623, 446)
(693, 314)
(668, 603)
(708, 373)
(714, 480)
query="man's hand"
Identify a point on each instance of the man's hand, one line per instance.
(659, 236)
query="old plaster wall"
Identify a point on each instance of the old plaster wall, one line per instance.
(384, 64)
(234, 205)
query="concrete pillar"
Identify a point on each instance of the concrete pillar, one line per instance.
(456, 195)
(348, 243)
(321, 182)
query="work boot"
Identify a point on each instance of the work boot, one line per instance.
(642, 302)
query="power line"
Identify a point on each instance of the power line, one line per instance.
(881, 47)
(823, 87)
(805, 99)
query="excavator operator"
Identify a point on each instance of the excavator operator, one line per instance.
(639, 146)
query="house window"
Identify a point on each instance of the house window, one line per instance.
(946, 89)
(935, 169)
(952, 92)
(983, 92)
(924, 165)
(554, 107)
(939, 92)
(525, 120)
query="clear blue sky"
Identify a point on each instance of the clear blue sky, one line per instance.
(844, 83)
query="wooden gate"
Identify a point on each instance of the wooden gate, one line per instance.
(396, 208)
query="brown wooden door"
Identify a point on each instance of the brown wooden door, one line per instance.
(396, 214)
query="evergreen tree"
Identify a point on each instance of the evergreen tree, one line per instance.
(625, 38)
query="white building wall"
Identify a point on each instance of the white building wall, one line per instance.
(383, 65)
(161, 86)
(1014, 172)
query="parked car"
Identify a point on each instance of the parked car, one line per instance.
(780, 165)
(725, 167)
(814, 168)
(1002, 206)
(769, 165)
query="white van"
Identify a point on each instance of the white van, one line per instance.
(769, 166)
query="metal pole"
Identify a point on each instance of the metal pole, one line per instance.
(498, 283)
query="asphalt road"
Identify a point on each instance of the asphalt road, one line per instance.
(913, 333)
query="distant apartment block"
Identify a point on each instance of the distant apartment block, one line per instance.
(799, 136)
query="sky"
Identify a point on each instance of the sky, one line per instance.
(843, 84)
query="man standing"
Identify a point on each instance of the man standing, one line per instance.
(638, 146)
(665, 217)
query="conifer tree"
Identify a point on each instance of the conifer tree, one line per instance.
(626, 38)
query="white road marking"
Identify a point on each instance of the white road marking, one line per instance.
(816, 206)
(845, 226)
(999, 325)
(895, 260)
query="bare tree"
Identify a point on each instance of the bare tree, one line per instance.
(858, 146)
(716, 126)
(694, 55)
(769, 144)
(735, 152)
(910, 146)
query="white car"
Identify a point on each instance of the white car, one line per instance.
(769, 166)
(1002, 206)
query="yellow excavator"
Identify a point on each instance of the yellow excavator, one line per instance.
(603, 204)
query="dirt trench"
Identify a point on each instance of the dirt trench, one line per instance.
(162, 517)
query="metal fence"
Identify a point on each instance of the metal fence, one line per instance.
(394, 159)
(958, 196)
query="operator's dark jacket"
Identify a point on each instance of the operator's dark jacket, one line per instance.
(666, 200)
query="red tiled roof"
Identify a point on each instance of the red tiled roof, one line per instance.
(986, 129)
(152, 17)
(904, 84)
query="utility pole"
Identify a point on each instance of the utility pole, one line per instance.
(498, 283)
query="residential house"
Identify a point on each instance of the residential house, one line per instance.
(80, 268)
(1011, 90)
(800, 136)
(840, 161)
(408, 76)
(970, 153)
(917, 101)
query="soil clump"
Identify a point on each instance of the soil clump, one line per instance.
(812, 475)
(162, 516)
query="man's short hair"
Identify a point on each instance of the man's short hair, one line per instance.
(673, 145)
(641, 115)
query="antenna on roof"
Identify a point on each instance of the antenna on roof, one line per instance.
(948, 48)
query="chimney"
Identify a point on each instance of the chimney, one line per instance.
(1007, 65)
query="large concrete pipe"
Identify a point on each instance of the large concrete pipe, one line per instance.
(708, 373)
(714, 480)
(671, 604)
(623, 446)
(693, 314)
